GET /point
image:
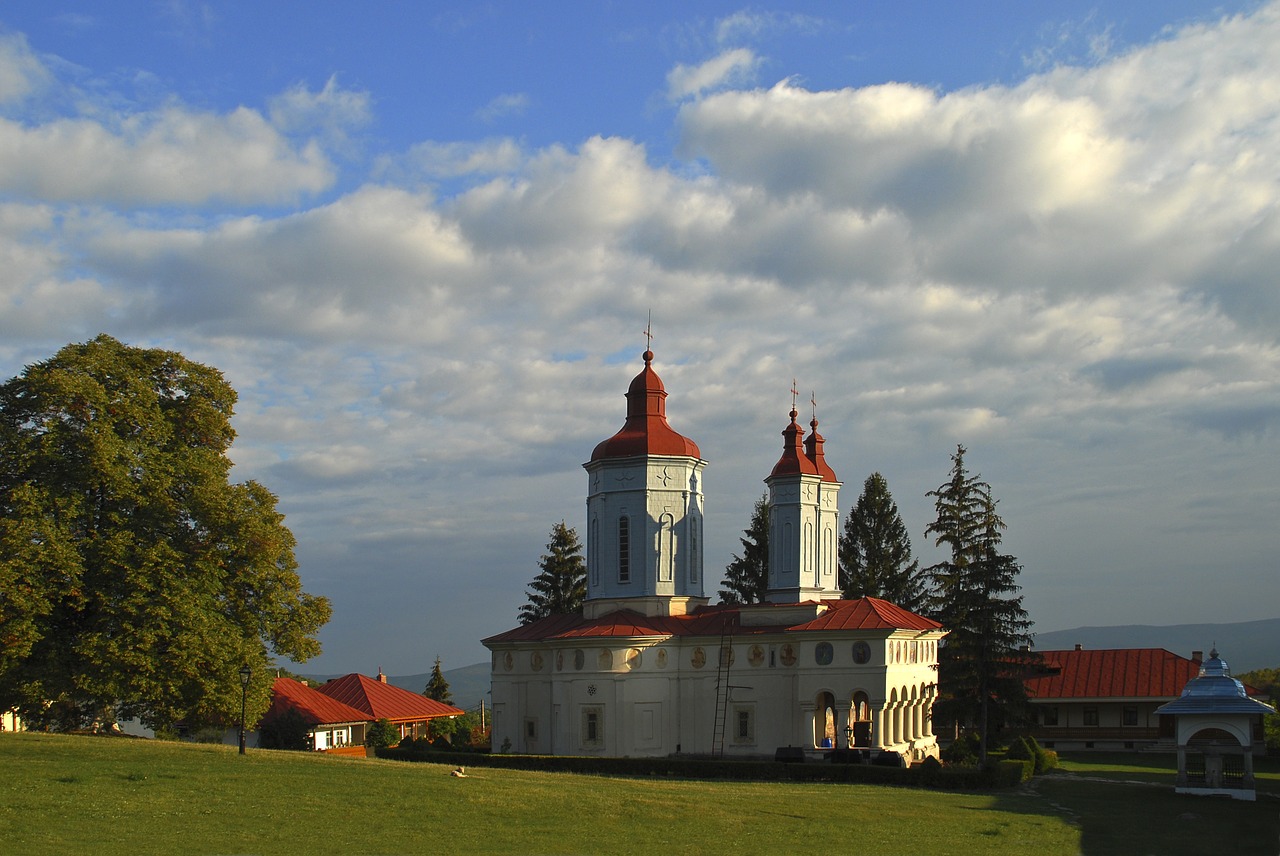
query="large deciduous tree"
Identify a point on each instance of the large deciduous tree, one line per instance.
(746, 578)
(135, 578)
(875, 551)
(561, 585)
(988, 648)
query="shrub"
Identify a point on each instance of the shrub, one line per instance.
(1020, 751)
(382, 734)
(963, 752)
(1012, 771)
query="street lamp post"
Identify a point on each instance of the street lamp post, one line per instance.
(245, 674)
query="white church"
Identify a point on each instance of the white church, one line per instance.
(650, 668)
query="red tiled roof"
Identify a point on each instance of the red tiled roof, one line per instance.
(1112, 673)
(384, 701)
(868, 613)
(646, 431)
(314, 706)
(863, 614)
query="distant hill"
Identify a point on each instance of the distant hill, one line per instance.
(467, 684)
(1245, 645)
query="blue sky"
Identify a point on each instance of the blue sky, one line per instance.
(422, 241)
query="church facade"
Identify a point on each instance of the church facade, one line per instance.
(651, 668)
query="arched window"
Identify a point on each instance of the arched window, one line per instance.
(666, 548)
(624, 549)
(593, 541)
(693, 550)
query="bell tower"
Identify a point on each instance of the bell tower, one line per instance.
(644, 511)
(804, 518)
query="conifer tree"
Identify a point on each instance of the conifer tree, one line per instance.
(875, 551)
(746, 578)
(987, 650)
(437, 687)
(561, 586)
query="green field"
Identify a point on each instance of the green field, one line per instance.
(98, 795)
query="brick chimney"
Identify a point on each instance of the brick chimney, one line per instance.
(1197, 656)
(1079, 647)
(382, 679)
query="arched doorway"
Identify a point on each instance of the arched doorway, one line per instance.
(824, 721)
(860, 721)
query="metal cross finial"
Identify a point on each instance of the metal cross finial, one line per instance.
(813, 399)
(648, 333)
(794, 392)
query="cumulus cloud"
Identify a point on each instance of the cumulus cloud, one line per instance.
(174, 156)
(734, 66)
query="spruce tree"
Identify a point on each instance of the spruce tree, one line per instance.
(746, 578)
(437, 687)
(561, 586)
(987, 650)
(875, 551)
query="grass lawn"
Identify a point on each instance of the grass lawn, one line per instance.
(99, 795)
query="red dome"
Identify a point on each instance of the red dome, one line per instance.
(794, 460)
(646, 431)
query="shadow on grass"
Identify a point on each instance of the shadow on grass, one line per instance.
(1132, 817)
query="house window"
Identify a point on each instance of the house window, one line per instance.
(1129, 716)
(1090, 716)
(1049, 716)
(744, 725)
(624, 549)
(592, 727)
(531, 729)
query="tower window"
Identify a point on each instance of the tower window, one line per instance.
(624, 549)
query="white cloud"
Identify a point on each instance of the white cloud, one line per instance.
(734, 66)
(332, 109)
(458, 159)
(21, 73)
(508, 104)
(173, 156)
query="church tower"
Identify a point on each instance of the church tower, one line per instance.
(804, 519)
(644, 511)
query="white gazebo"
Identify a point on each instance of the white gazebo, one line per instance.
(1216, 733)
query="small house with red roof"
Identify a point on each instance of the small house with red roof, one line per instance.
(651, 668)
(331, 724)
(1108, 698)
(376, 699)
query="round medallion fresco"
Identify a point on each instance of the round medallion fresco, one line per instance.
(822, 653)
(604, 661)
(699, 658)
(861, 653)
(755, 656)
(788, 654)
(661, 658)
(508, 662)
(579, 659)
(535, 661)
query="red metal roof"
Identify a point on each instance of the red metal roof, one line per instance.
(1112, 673)
(813, 450)
(794, 461)
(314, 706)
(384, 701)
(646, 431)
(868, 613)
(862, 614)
